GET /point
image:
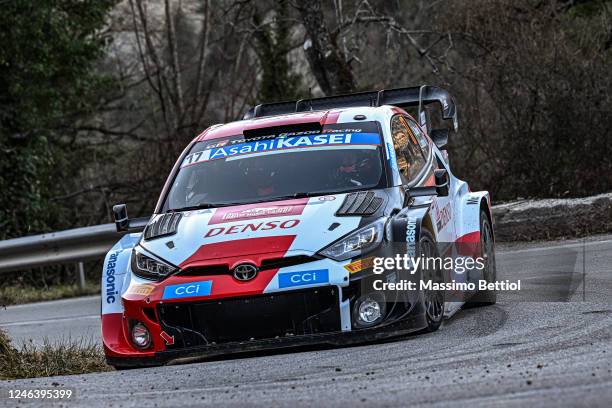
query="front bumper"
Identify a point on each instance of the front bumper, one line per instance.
(413, 323)
(231, 322)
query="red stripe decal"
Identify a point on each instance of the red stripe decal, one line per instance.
(332, 117)
(472, 237)
(230, 254)
(469, 244)
(235, 251)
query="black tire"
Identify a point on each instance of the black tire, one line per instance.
(433, 300)
(487, 247)
(123, 368)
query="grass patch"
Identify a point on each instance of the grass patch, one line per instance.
(48, 360)
(18, 294)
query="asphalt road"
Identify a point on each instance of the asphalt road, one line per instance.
(75, 319)
(550, 345)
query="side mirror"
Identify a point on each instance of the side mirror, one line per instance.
(440, 189)
(420, 192)
(122, 222)
(441, 177)
(440, 137)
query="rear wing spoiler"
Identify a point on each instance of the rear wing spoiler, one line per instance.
(419, 96)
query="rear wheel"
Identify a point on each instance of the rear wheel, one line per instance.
(433, 299)
(489, 273)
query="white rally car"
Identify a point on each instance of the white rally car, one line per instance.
(266, 231)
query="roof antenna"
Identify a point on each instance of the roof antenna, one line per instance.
(310, 97)
(422, 117)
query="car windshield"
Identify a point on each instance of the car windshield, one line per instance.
(239, 170)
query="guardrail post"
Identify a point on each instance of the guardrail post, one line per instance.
(81, 269)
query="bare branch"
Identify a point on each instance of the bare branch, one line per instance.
(178, 88)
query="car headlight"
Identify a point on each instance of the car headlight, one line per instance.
(147, 267)
(359, 242)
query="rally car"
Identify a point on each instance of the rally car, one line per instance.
(267, 228)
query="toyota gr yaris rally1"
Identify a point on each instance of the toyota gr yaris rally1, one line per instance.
(265, 232)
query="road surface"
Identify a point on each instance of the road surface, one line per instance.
(551, 345)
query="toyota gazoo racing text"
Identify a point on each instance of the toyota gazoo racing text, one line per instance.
(265, 232)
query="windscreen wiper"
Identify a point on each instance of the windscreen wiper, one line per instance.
(295, 195)
(277, 198)
(298, 195)
(311, 194)
(203, 206)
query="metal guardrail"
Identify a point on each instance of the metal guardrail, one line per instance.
(74, 245)
(88, 243)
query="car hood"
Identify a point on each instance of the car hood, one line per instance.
(254, 232)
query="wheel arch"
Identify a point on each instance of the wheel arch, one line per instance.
(470, 206)
(407, 224)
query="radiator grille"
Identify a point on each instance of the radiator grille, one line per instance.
(252, 318)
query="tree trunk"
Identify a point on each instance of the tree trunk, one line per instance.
(326, 60)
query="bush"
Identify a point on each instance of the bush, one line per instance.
(24, 293)
(5, 344)
(65, 358)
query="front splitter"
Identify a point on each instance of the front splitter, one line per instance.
(200, 353)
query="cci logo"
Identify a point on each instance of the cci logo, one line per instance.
(302, 278)
(184, 290)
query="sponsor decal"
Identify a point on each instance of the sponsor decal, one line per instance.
(359, 265)
(423, 119)
(196, 212)
(472, 200)
(279, 143)
(327, 198)
(443, 216)
(221, 143)
(251, 227)
(255, 211)
(109, 277)
(411, 235)
(185, 290)
(302, 278)
(391, 156)
(240, 139)
(142, 290)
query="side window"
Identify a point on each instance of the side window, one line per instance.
(423, 142)
(410, 159)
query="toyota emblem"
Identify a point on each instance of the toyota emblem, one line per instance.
(245, 272)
